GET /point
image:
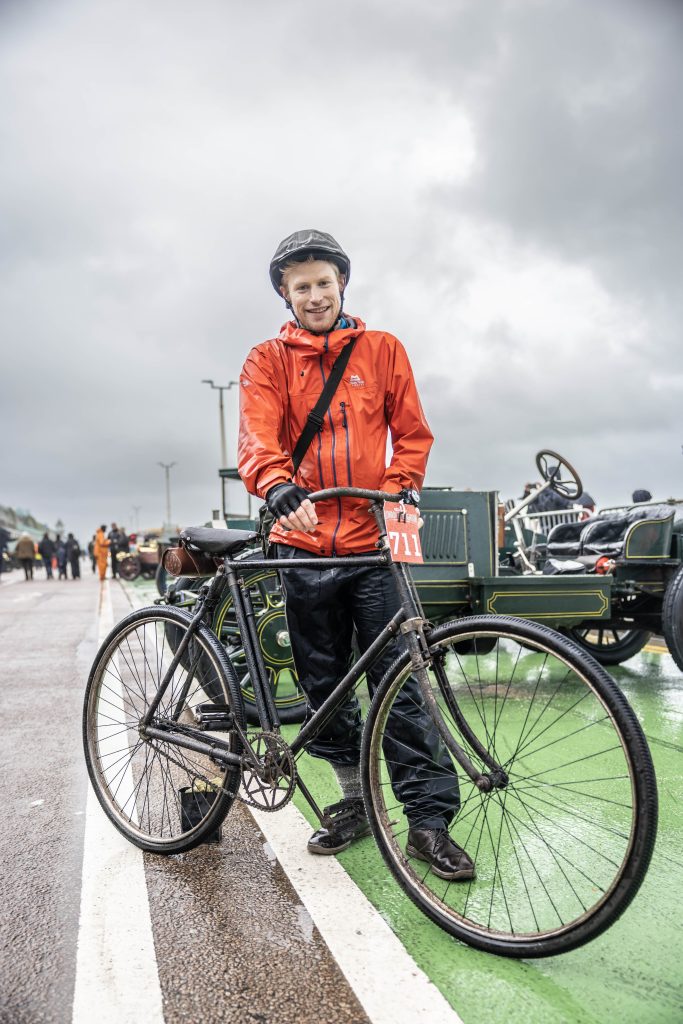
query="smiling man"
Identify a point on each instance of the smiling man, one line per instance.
(281, 381)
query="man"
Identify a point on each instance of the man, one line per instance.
(73, 556)
(4, 542)
(25, 552)
(47, 551)
(280, 383)
(101, 550)
(114, 537)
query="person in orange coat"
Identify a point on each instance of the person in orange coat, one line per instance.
(376, 399)
(101, 551)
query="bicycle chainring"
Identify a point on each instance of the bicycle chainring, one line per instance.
(270, 786)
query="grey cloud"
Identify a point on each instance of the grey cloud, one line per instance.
(153, 156)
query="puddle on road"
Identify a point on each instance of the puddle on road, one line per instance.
(305, 923)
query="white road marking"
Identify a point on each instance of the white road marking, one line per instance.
(117, 980)
(390, 986)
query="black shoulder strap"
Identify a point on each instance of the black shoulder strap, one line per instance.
(316, 416)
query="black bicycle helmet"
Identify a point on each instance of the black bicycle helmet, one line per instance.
(302, 244)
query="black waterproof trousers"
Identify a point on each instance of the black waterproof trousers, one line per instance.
(323, 606)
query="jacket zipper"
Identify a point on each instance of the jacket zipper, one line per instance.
(334, 446)
(348, 446)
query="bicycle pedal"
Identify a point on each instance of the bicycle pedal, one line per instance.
(214, 717)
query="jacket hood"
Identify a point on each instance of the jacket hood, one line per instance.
(316, 344)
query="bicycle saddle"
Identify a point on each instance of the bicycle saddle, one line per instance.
(216, 542)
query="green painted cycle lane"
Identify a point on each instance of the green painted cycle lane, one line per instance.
(631, 973)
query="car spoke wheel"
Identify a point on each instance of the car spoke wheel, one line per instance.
(128, 568)
(273, 638)
(608, 645)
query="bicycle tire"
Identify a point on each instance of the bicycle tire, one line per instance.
(608, 825)
(672, 617)
(161, 579)
(161, 797)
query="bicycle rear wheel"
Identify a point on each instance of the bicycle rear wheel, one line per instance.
(162, 797)
(562, 849)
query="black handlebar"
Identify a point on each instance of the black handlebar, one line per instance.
(353, 492)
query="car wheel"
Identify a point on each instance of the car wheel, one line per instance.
(608, 645)
(672, 617)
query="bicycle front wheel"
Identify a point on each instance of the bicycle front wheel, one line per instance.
(562, 847)
(163, 797)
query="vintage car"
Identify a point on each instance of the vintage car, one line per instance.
(608, 580)
(145, 560)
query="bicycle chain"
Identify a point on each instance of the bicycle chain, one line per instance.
(285, 770)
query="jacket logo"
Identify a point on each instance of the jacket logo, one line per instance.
(355, 381)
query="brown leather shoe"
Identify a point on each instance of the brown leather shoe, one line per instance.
(445, 858)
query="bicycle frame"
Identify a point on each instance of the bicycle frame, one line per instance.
(408, 620)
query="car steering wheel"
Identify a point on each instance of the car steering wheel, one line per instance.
(562, 476)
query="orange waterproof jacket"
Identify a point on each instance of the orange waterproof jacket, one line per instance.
(280, 383)
(101, 548)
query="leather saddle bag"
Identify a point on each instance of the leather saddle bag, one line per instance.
(181, 561)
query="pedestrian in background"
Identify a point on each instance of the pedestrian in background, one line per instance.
(60, 551)
(25, 551)
(4, 541)
(101, 550)
(47, 553)
(115, 545)
(73, 555)
(91, 553)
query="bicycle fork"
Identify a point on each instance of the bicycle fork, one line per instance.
(421, 659)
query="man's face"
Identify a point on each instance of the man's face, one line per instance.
(314, 292)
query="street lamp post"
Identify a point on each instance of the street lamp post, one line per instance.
(166, 466)
(136, 513)
(220, 388)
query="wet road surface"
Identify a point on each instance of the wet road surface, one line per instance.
(232, 937)
(232, 940)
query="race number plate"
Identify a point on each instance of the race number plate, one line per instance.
(403, 532)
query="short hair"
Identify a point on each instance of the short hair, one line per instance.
(311, 258)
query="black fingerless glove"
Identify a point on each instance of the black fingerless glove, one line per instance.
(285, 498)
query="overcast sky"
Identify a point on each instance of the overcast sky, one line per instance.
(506, 177)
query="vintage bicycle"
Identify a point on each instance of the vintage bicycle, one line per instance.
(557, 793)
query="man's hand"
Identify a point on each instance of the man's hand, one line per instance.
(290, 504)
(412, 497)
